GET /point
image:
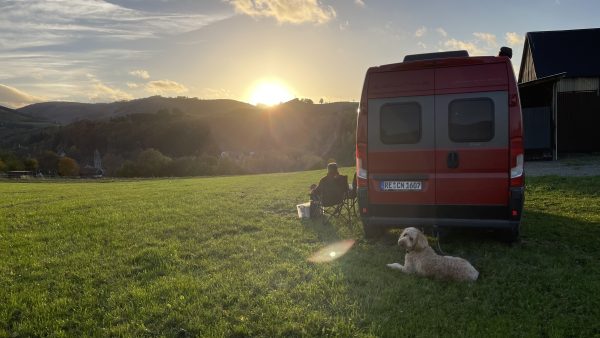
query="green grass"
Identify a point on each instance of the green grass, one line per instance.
(228, 257)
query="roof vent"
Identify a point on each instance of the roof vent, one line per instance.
(505, 51)
(440, 55)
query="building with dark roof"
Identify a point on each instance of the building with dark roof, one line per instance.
(559, 83)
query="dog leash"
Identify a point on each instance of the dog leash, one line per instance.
(437, 240)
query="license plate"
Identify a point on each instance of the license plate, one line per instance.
(401, 185)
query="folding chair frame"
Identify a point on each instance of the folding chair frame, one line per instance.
(345, 210)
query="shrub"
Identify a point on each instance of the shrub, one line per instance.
(68, 167)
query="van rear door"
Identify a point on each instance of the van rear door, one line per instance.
(472, 150)
(401, 142)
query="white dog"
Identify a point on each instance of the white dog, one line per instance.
(420, 259)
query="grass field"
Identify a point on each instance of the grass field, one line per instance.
(228, 257)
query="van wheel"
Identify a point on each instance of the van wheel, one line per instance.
(373, 232)
(512, 235)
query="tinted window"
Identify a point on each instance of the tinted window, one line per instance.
(400, 123)
(471, 120)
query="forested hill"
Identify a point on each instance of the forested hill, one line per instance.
(67, 112)
(191, 137)
(13, 122)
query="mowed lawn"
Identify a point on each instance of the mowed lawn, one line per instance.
(227, 257)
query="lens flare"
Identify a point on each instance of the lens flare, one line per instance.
(332, 251)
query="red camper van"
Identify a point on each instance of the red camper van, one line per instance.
(440, 143)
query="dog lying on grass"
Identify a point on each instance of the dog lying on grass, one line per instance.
(421, 260)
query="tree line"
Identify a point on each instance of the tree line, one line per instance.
(174, 143)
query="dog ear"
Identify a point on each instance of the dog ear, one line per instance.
(421, 241)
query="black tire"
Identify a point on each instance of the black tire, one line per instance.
(512, 235)
(373, 232)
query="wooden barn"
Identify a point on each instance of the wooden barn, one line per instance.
(559, 83)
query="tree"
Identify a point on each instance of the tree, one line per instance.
(68, 167)
(321, 101)
(152, 162)
(2, 166)
(48, 162)
(128, 169)
(31, 164)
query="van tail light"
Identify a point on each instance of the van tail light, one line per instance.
(517, 160)
(361, 165)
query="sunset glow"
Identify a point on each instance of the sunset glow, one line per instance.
(265, 52)
(270, 93)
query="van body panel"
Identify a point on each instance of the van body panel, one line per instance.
(405, 83)
(409, 156)
(472, 78)
(481, 174)
(463, 153)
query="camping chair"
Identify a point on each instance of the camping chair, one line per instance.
(336, 197)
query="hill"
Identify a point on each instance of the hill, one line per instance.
(234, 136)
(68, 112)
(15, 126)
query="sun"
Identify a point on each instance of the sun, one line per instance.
(270, 93)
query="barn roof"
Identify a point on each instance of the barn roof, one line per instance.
(575, 52)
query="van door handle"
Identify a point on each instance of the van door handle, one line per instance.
(452, 159)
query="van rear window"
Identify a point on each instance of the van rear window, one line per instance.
(471, 120)
(400, 123)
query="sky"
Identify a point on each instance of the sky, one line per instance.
(105, 51)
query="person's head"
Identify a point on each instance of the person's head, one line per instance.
(332, 169)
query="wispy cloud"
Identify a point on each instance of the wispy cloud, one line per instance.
(514, 39)
(101, 92)
(286, 11)
(441, 31)
(360, 3)
(165, 87)
(15, 98)
(343, 26)
(488, 38)
(141, 73)
(421, 31)
(471, 47)
(35, 23)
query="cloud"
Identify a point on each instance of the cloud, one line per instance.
(101, 92)
(142, 74)
(132, 85)
(286, 11)
(421, 31)
(165, 87)
(422, 45)
(360, 3)
(15, 98)
(343, 26)
(49, 46)
(36, 23)
(488, 38)
(441, 32)
(471, 47)
(514, 39)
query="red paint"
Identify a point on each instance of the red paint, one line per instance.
(483, 176)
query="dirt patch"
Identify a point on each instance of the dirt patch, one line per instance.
(567, 165)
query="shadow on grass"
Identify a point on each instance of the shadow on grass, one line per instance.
(529, 282)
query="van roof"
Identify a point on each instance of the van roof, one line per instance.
(439, 63)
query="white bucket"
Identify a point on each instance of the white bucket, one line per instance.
(303, 210)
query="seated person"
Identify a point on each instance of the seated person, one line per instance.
(328, 183)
